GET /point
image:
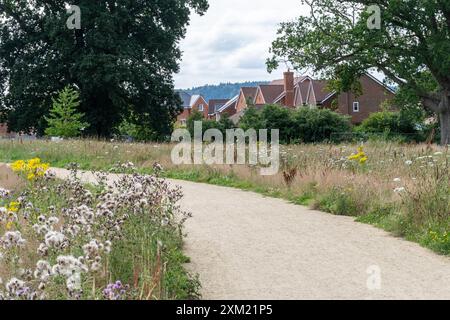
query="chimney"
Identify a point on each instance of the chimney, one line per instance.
(289, 89)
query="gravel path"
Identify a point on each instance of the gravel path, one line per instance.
(246, 246)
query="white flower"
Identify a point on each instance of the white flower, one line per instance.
(73, 282)
(4, 193)
(397, 180)
(408, 162)
(55, 239)
(14, 285)
(43, 270)
(399, 190)
(12, 239)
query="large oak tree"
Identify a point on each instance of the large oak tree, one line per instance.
(122, 60)
(412, 47)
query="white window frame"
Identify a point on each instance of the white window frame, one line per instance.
(201, 107)
(183, 122)
(356, 106)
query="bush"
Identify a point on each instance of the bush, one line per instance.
(319, 125)
(223, 124)
(276, 117)
(303, 125)
(251, 119)
(405, 125)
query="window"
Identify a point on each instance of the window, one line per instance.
(201, 107)
(183, 122)
(355, 106)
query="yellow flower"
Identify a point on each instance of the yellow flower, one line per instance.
(9, 225)
(361, 156)
(32, 168)
(18, 166)
(14, 206)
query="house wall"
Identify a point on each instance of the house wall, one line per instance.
(184, 115)
(374, 94)
(242, 103)
(187, 112)
(259, 98)
(200, 101)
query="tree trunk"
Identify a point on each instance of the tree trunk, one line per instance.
(444, 117)
(445, 127)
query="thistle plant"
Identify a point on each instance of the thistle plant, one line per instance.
(56, 237)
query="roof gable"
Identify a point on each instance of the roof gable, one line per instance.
(230, 104)
(270, 92)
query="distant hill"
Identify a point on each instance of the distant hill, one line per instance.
(223, 90)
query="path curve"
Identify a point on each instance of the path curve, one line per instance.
(246, 246)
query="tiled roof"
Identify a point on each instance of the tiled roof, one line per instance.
(216, 104)
(249, 92)
(304, 86)
(320, 90)
(230, 104)
(281, 81)
(194, 99)
(186, 98)
(270, 92)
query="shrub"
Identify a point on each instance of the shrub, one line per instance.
(277, 117)
(223, 124)
(320, 125)
(251, 119)
(405, 125)
(305, 125)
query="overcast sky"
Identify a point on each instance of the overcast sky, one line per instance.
(231, 42)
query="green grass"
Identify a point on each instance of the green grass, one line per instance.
(139, 259)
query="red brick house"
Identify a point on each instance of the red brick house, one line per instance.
(190, 103)
(228, 108)
(295, 92)
(246, 94)
(215, 105)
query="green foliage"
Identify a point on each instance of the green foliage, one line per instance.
(222, 125)
(411, 47)
(406, 125)
(251, 119)
(138, 252)
(129, 128)
(306, 125)
(317, 125)
(194, 117)
(64, 120)
(122, 60)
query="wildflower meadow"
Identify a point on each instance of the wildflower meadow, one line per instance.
(402, 188)
(66, 240)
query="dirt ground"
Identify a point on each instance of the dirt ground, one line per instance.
(8, 179)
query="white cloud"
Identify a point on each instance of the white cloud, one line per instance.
(231, 41)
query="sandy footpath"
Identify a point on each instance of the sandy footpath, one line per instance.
(246, 246)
